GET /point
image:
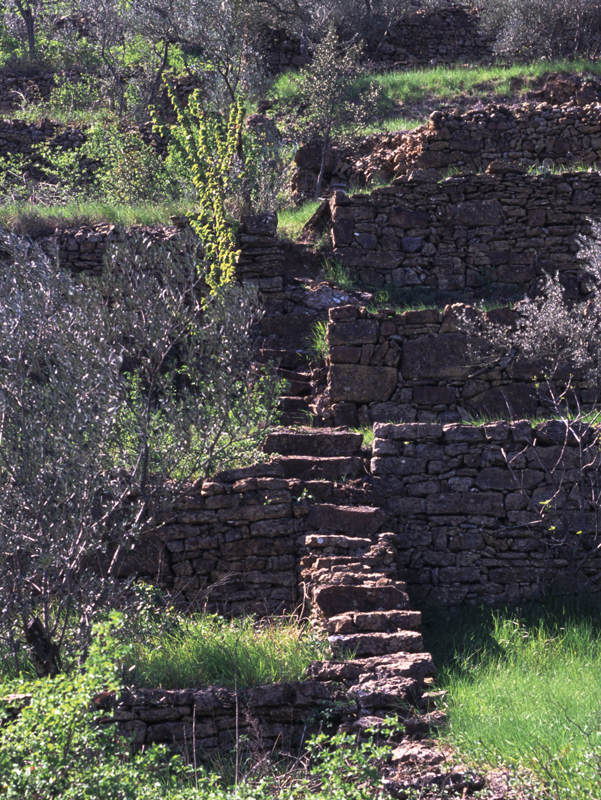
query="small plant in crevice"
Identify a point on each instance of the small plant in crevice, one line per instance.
(318, 340)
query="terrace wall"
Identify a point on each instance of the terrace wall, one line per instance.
(480, 235)
(468, 527)
(418, 367)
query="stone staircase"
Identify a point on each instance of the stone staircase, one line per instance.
(283, 342)
(348, 566)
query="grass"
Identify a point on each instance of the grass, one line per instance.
(210, 650)
(318, 341)
(524, 690)
(443, 85)
(368, 435)
(292, 220)
(30, 217)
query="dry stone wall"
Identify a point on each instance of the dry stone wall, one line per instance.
(469, 526)
(15, 88)
(559, 131)
(418, 367)
(531, 133)
(19, 137)
(421, 38)
(477, 234)
(278, 536)
(441, 514)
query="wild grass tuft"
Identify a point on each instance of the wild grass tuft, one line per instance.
(292, 220)
(207, 649)
(318, 341)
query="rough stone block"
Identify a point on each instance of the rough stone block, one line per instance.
(361, 384)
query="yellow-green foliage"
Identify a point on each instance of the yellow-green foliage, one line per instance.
(208, 145)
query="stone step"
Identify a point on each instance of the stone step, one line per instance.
(312, 442)
(319, 541)
(292, 404)
(295, 418)
(299, 388)
(335, 573)
(351, 520)
(357, 574)
(316, 468)
(289, 359)
(376, 621)
(299, 376)
(376, 644)
(416, 666)
(335, 599)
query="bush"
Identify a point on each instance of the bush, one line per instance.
(543, 27)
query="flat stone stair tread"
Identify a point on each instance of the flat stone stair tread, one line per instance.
(335, 599)
(336, 540)
(290, 403)
(313, 442)
(295, 376)
(299, 388)
(376, 644)
(289, 359)
(351, 520)
(375, 621)
(325, 467)
(403, 665)
(295, 417)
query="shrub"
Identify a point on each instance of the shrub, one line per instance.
(116, 392)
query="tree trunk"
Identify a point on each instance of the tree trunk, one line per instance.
(44, 652)
(159, 76)
(29, 20)
(322, 169)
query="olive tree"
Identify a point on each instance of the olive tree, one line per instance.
(543, 27)
(116, 393)
(332, 108)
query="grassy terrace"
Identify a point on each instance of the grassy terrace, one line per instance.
(30, 217)
(406, 97)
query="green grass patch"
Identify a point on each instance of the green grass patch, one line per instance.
(292, 220)
(318, 340)
(524, 690)
(36, 219)
(443, 84)
(207, 650)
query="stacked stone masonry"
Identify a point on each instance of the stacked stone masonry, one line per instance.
(476, 234)
(466, 503)
(441, 514)
(420, 366)
(284, 536)
(421, 38)
(531, 134)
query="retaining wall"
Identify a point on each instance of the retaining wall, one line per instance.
(530, 133)
(418, 367)
(469, 528)
(478, 234)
